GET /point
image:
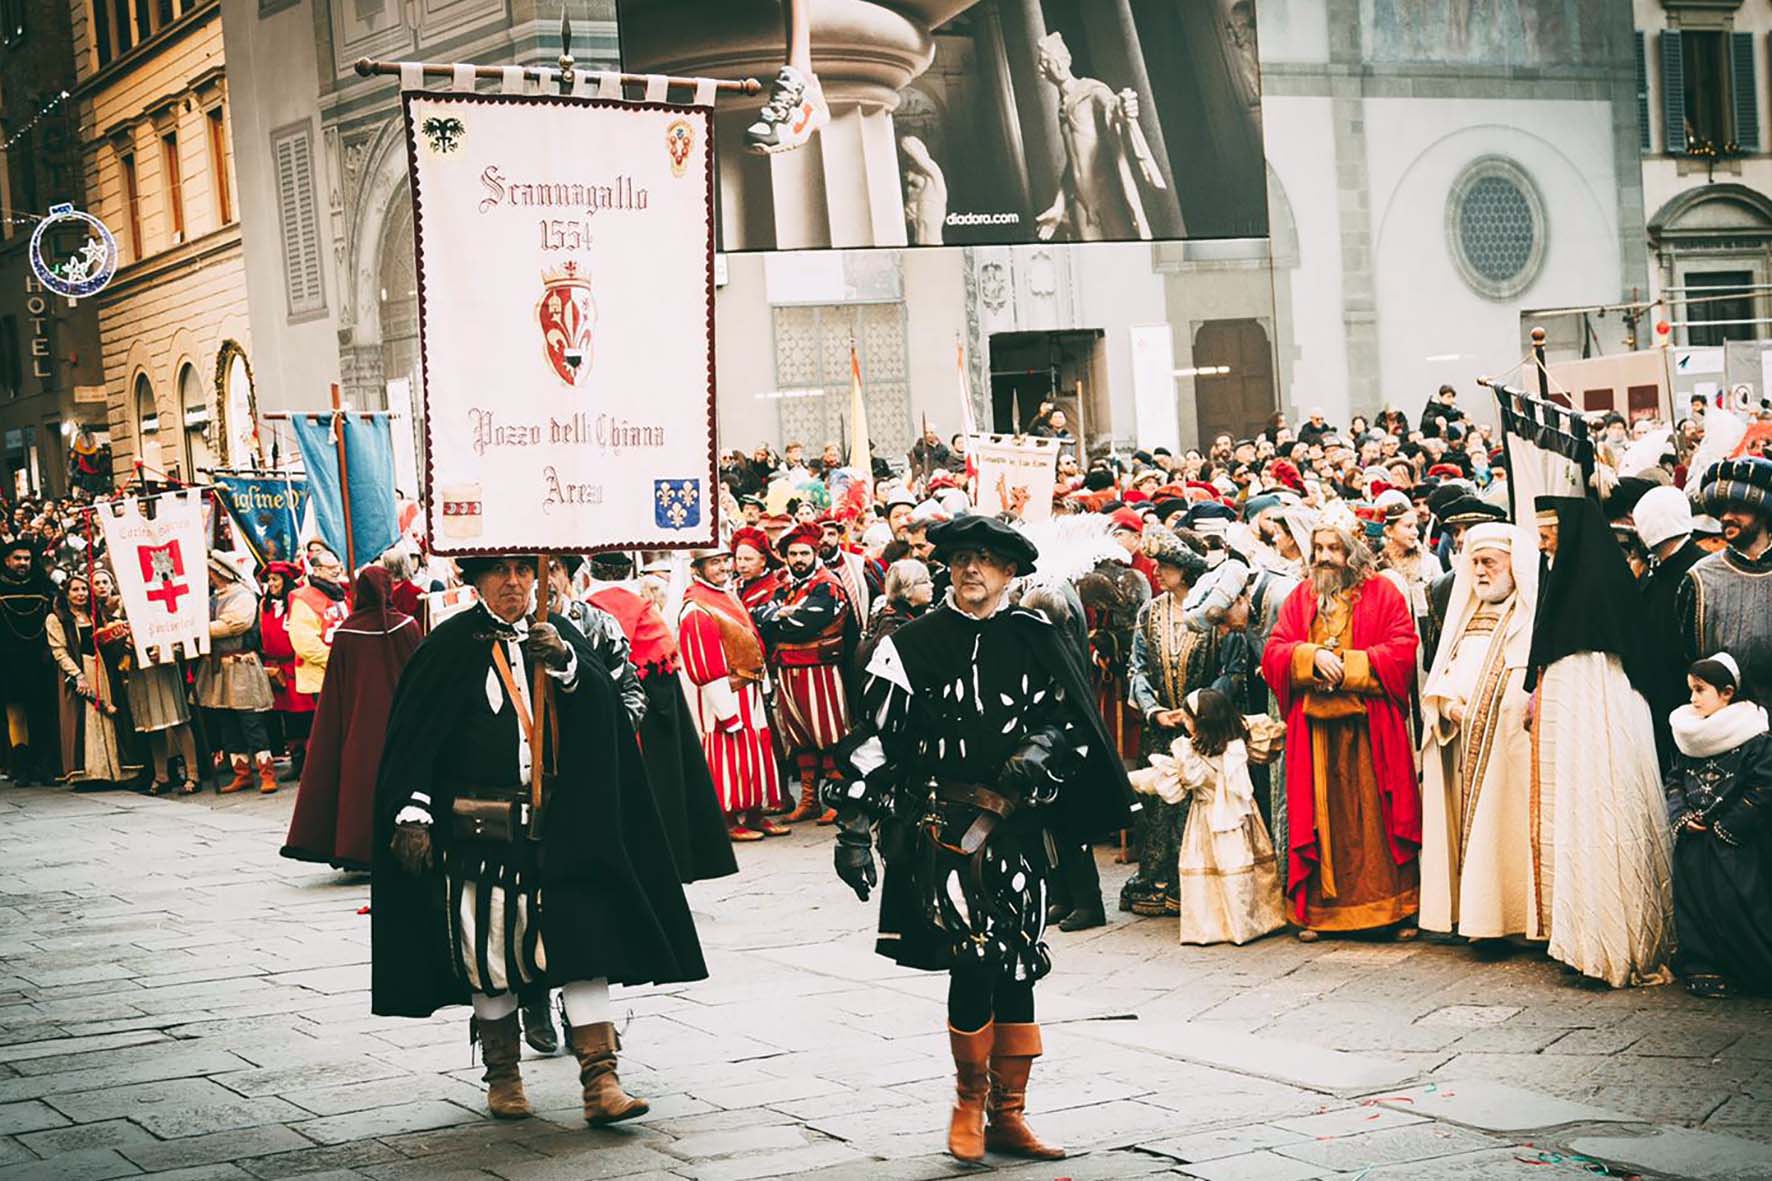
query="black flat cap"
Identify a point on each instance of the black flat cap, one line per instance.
(471, 568)
(976, 531)
(1468, 510)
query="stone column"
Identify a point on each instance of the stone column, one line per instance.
(1119, 62)
(1036, 100)
(842, 189)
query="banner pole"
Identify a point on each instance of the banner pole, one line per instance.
(541, 695)
(94, 610)
(344, 489)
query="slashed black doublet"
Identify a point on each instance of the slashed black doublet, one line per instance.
(613, 905)
(950, 700)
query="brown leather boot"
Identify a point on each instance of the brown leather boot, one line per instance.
(972, 1086)
(500, 1049)
(808, 799)
(605, 1101)
(267, 775)
(242, 776)
(1012, 1057)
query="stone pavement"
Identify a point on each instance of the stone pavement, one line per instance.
(177, 1000)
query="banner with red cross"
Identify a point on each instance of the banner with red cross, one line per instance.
(160, 562)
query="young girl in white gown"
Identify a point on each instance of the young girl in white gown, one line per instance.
(1227, 880)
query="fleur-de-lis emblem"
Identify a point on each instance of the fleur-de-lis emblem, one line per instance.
(676, 503)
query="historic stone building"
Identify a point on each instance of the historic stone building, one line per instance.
(49, 360)
(158, 161)
(1707, 166)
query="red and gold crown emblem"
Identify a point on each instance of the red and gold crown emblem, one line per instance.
(567, 314)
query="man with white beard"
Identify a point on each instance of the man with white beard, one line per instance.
(1602, 853)
(1476, 762)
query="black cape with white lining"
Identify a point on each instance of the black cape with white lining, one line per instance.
(612, 904)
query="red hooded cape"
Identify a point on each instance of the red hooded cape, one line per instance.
(334, 819)
(1382, 628)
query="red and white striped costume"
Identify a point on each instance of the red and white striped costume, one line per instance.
(722, 657)
(806, 624)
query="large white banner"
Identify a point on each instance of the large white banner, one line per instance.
(162, 569)
(565, 271)
(1016, 474)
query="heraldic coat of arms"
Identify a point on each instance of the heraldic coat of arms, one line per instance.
(567, 314)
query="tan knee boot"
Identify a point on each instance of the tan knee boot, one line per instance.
(808, 798)
(972, 1085)
(1012, 1058)
(501, 1050)
(604, 1100)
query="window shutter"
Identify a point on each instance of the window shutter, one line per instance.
(1747, 95)
(300, 222)
(1643, 130)
(1673, 91)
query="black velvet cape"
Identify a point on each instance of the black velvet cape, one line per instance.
(612, 904)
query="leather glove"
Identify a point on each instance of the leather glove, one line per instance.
(854, 854)
(545, 647)
(1036, 765)
(412, 848)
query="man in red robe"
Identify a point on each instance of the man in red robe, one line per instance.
(723, 661)
(807, 624)
(334, 819)
(1340, 662)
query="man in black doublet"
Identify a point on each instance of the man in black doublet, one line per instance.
(979, 748)
(463, 863)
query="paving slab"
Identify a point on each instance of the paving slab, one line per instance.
(1207, 1146)
(1682, 1152)
(93, 1164)
(30, 1116)
(1424, 1142)
(1272, 1058)
(1497, 1107)
(1256, 1166)
(377, 1122)
(217, 1147)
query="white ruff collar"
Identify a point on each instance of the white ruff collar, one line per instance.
(1728, 728)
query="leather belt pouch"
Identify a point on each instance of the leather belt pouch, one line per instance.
(497, 820)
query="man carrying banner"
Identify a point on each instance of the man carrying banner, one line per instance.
(476, 893)
(806, 622)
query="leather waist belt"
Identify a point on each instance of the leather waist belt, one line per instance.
(983, 798)
(993, 808)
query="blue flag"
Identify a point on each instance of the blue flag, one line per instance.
(369, 456)
(267, 510)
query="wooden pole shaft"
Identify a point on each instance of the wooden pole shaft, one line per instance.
(344, 488)
(540, 695)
